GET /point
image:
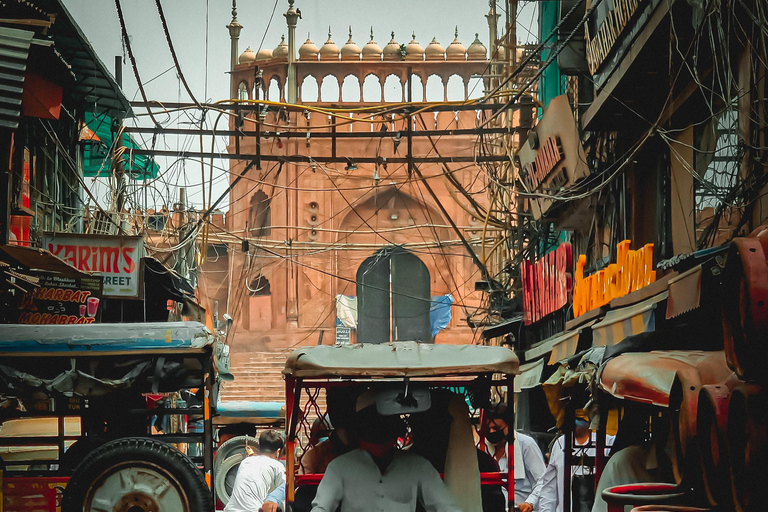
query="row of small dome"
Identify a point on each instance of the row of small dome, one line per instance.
(372, 51)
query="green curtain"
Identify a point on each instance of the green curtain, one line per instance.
(552, 83)
(96, 156)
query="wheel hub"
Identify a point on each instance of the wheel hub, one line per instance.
(136, 502)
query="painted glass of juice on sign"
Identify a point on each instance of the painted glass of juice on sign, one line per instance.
(93, 306)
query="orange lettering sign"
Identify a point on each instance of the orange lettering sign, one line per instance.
(633, 270)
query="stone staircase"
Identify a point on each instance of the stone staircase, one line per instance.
(258, 377)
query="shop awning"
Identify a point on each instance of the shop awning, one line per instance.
(620, 323)
(684, 292)
(648, 377)
(560, 345)
(530, 375)
(37, 259)
(14, 50)
(96, 161)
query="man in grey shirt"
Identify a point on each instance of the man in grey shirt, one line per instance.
(377, 477)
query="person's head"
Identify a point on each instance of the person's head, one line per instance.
(378, 434)
(581, 424)
(320, 431)
(270, 443)
(499, 418)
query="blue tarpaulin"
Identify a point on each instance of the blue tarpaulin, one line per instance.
(440, 313)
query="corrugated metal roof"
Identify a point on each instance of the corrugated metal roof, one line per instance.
(14, 50)
(94, 85)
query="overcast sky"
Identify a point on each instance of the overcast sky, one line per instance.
(199, 35)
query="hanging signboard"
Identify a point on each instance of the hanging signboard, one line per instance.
(547, 283)
(553, 159)
(117, 258)
(60, 299)
(633, 270)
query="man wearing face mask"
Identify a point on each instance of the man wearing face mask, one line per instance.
(529, 463)
(550, 486)
(377, 476)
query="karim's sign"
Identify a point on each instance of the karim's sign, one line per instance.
(117, 258)
(546, 283)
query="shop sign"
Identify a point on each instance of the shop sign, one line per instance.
(600, 44)
(553, 159)
(546, 283)
(117, 258)
(343, 335)
(633, 270)
(60, 299)
(547, 157)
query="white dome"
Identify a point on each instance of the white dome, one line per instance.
(456, 50)
(350, 51)
(414, 51)
(329, 50)
(392, 49)
(247, 56)
(308, 51)
(434, 50)
(281, 51)
(371, 51)
(476, 50)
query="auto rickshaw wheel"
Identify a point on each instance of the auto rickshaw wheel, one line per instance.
(137, 475)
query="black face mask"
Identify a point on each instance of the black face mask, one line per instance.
(495, 436)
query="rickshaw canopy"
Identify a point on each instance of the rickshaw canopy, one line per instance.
(400, 359)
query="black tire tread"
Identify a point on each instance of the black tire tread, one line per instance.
(126, 448)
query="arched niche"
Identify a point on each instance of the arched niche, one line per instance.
(259, 215)
(329, 89)
(417, 86)
(242, 91)
(475, 88)
(393, 89)
(455, 88)
(274, 91)
(310, 92)
(371, 88)
(435, 88)
(350, 89)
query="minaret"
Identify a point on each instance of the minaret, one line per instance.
(234, 34)
(493, 20)
(292, 17)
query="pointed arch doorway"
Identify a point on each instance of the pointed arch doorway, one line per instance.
(393, 294)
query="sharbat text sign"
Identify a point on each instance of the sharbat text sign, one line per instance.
(117, 258)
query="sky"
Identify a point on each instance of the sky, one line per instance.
(201, 41)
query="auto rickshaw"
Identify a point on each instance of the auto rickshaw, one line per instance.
(411, 380)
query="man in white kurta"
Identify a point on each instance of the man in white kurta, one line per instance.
(258, 475)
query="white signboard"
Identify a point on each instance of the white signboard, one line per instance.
(117, 258)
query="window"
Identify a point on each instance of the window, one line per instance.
(260, 217)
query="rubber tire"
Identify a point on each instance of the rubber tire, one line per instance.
(78, 452)
(137, 451)
(230, 453)
(230, 447)
(227, 466)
